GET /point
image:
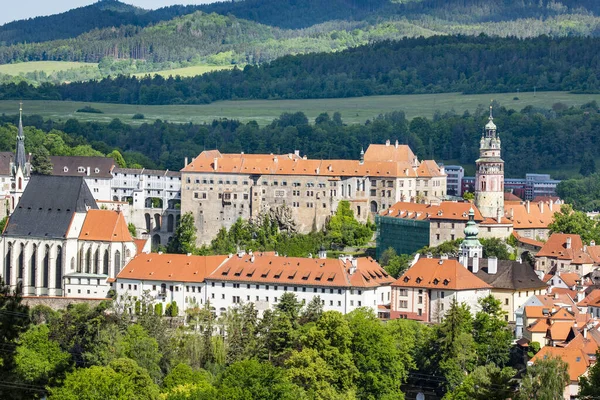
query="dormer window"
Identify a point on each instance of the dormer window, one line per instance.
(65, 169)
(97, 170)
(419, 280)
(406, 279)
(436, 281)
(80, 169)
(446, 282)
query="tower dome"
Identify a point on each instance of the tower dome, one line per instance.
(490, 126)
(471, 231)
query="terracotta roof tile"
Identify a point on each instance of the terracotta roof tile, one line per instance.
(556, 246)
(446, 210)
(527, 241)
(590, 299)
(539, 215)
(589, 345)
(577, 360)
(390, 152)
(270, 268)
(537, 311)
(433, 273)
(170, 267)
(569, 278)
(105, 226)
(429, 169)
(559, 331)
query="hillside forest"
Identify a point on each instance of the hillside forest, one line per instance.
(133, 40)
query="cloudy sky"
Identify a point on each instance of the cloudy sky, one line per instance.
(21, 9)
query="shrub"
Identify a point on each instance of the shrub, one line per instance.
(90, 110)
(138, 116)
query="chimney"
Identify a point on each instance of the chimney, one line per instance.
(353, 266)
(527, 206)
(322, 253)
(475, 265)
(429, 255)
(463, 259)
(499, 216)
(252, 259)
(387, 142)
(492, 265)
(568, 244)
(444, 257)
(185, 162)
(592, 242)
(541, 207)
(550, 204)
(88, 171)
(297, 153)
(585, 331)
(396, 144)
(215, 163)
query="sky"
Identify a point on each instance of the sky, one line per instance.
(22, 9)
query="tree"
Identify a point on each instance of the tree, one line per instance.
(344, 230)
(132, 229)
(140, 347)
(495, 247)
(183, 374)
(172, 310)
(382, 367)
(546, 379)
(251, 379)
(119, 160)
(40, 161)
(3, 223)
(468, 196)
(588, 165)
(313, 311)
(491, 333)
(184, 240)
(289, 306)
(575, 222)
(589, 386)
(121, 379)
(39, 359)
(487, 382)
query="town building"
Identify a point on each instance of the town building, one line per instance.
(426, 290)
(150, 199)
(578, 362)
(530, 220)
(96, 171)
(567, 253)
(539, 185)
(168, 278)
(300, 193)
(57, 239)
(342, 284)
(455, 174)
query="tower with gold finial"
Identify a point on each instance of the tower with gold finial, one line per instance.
(20, 168)
(489, 175)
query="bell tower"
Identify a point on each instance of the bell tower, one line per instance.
(489, 175)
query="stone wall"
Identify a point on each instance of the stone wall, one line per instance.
(59, 303)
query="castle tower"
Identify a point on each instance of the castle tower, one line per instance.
(470, 249)
(489, 176)
(20, 167)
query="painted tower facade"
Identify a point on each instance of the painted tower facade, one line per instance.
(489, 176)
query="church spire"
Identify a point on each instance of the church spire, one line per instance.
(20, 153)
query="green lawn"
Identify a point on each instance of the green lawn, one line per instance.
(187, 71)
(46, 66)
(353, 110)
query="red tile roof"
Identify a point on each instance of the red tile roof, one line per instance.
(577, 360)
(592, 298)
(170, 267)
(433, 273)
(446, 210)
(105, 226)
(539, 215)
(556, 246)
(140, 244)
(528, 241)
(269, 268)
(569, 278)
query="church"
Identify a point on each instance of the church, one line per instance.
(58, 243)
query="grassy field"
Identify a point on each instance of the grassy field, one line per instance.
(353, 110)
(187, 71)
(46, 66)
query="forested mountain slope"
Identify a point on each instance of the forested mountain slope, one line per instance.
(433, 65)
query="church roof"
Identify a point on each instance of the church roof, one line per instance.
(105, 226)
(47, 206)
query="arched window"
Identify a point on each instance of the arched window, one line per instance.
(148, 222)
(88, 261)
(46, 271)
(21, 262)
(157, 221)
(155, 241)
(32, 263)
(177, 220)
(20, 183)
(117, 262)
(7, 263)
(58, 272)
(373, 206)
(106, 260)
(97, 261)
(170, 223)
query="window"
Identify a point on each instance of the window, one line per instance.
(442, 295)
(420, 300)
(419, 312)
(506, 302)
(223, 296)
(352, 302)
